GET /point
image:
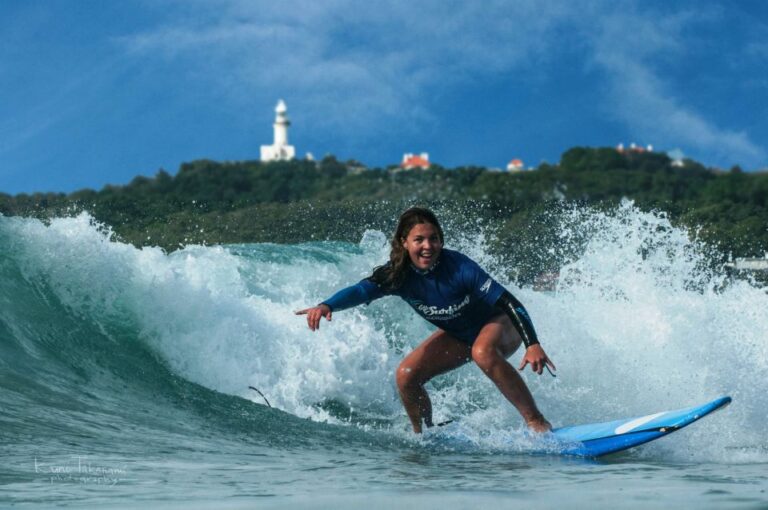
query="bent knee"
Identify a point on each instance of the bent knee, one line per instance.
(485, 356)
(407, 376)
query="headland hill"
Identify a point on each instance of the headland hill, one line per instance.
(299, 200)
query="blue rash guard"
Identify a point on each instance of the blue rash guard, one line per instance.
(456, 295)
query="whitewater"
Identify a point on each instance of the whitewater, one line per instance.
(125, 375)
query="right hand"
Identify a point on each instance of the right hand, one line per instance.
(536, 356)
(313, 315)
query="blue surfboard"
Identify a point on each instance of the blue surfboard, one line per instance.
(594, 440)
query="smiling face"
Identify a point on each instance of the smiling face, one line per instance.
(423, 245)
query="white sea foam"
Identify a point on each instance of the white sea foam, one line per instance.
(637, 325)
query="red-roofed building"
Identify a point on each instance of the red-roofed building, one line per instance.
(515, 165)
(415, 161)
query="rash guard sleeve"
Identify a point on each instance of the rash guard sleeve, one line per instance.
(519, 316)
(364, 291)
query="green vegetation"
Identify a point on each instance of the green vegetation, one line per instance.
(283, 202)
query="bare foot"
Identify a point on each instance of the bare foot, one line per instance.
(539, 425)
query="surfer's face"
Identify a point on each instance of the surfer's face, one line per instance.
(423, 245)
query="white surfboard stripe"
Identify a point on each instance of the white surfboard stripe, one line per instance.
(633, 424)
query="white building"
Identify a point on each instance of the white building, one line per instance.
(749, 264)
(677, 157)
(279, 150)
(633, 147)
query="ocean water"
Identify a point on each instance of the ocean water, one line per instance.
(125, 374)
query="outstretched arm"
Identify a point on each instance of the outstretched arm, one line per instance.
(534, 353)
(364, 291)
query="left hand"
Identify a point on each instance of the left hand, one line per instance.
(536, 356)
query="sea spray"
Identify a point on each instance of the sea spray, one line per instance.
(637, 323)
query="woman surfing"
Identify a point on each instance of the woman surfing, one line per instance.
(477, 318)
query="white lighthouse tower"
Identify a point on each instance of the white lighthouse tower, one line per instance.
(279, 150)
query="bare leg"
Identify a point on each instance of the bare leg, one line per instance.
(494, 344)
(436, 355)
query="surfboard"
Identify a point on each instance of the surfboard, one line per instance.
(597, 439)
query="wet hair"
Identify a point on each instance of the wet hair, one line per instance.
(391, 275)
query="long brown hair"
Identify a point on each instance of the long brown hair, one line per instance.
(391, 275)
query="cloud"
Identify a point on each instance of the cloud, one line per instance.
(357, 67)
(53, 109)
(345, 61)
(640, 96)
(640, 101)
(758, 50)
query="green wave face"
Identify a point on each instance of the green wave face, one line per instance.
(116, 347)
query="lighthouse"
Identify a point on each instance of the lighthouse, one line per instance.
(279, 150)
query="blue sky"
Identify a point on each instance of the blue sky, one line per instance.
(97, 91)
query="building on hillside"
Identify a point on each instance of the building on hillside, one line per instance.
(677, 157)
(749, 264)
(279, 150)
(633, 147)
(415, 161)
(515, 165)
